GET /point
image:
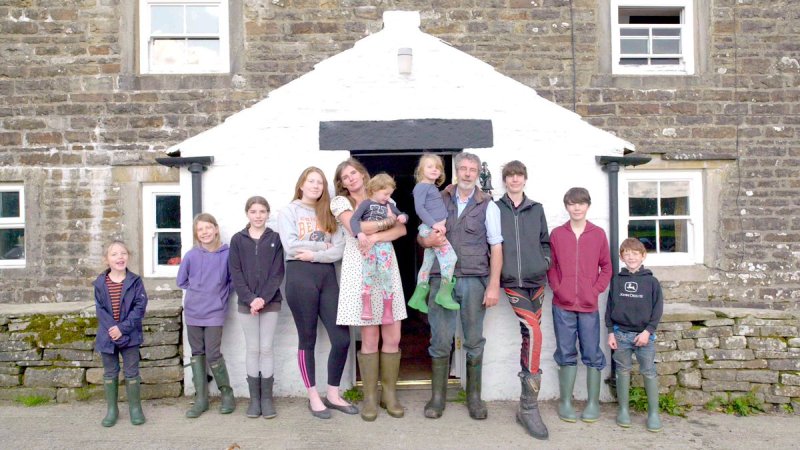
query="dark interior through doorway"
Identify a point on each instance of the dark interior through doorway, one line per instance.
(415, 363)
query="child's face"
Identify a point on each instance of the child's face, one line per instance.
(515, 183)
(117, 258)
(633, 260)
(207, 232)
(312, 187)
(577, 211)
(430, 170)
(257, 215)
(382, 195)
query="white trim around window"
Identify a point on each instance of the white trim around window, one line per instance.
(184, 36)
(653, 48)
(161, 230)
(664, 209)
(12, 225)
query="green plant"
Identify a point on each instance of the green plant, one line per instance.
(743, 405)
(84, 393)
(787, 408)
(353, 395)
(666, 402)
(32, 400)
(461, 397)
(638, 399)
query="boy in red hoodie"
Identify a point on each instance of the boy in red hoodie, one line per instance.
(580, 271)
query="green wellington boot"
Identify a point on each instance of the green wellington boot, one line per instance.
(623, 398)
(111, 388)
(132, 388)
(566, 383)
(390, 368)
(653, 419)
(440, 373)
(198, 364)
(368, 364)
(476, 406)
(592, 410)
(220, 371)
(444, 297)
(419, 300)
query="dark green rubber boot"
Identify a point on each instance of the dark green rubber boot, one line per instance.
(566, 383)
(132, 388)
(111, 388)
(476, 406)
(653, 419)
(592, 410)
(623, 398)
(440, 373)
(220, 371)
(200, 381)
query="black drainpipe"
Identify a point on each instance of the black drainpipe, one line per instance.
(197, 165)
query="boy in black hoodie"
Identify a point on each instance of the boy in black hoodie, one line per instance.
(634, 309)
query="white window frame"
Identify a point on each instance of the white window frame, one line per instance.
(149, 243)
(687, 39)
(695, 216)
(145, 39)
(13, 223)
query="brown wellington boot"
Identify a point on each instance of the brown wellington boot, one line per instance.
(390, 367)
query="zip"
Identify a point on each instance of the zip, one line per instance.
(577, 258)
(519, 251)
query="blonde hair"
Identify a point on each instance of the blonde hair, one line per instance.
(419, 172)
(380, 181)
(208, 218)
(322, 209)
(112, 243)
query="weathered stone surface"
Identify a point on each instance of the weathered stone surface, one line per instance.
(719, 354)
(156, 375)
(15, 393)
(784, 331)
(757, 376)
(765, 343)
(751, 364)
(95, 376)
(784, 364)
(24, 355)
(746, 330)
(151, 391)
(67, 354)
(664, 346)
(786, 391)
(794, 342)
(688, 355)
(792, 379)
(682, 312)
(690, 379)
(775, 399)
(691, 397)
(671, 368)
(716, 386)
(673, 326)
(752, 313)
(34, 363)
(159, 352)
(720, 374)
(733, 342)
(88, 393)
(15, 346)
(85, 344)
(707, 332)
(718, 322)
(686, 344)
(10, 368)
(668, 335)
(54, 377)
(161, 362)
(8, 380)
(161, 338)
(768, 354)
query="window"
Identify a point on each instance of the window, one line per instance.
(655, 37)
(184, 36)
(161, 231)
(664, 210)
(12, 225)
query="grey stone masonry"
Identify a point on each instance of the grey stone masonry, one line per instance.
(726, 352)
(47, 350)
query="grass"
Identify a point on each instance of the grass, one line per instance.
(353, 395)
(461, 397)
(32, 400)
(666, 402)
(742, 406)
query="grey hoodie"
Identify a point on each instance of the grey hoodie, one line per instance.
(297, 226)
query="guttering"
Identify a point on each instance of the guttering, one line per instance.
(196, 165)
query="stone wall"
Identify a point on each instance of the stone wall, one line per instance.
(47, 350)
(704, 353)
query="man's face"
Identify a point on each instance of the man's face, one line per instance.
(467, 174)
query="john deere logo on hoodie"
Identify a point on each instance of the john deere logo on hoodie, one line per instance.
(631, 286)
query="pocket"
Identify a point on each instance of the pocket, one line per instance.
(587, 298)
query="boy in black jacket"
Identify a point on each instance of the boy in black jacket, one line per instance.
(634, 309)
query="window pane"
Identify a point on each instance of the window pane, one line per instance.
(166, 19)
(644, 231)
(167, 52)
(666, 31)
(642, 199)
(674, 198)
(633, 61)
(9, 204)
(202, 19)
(633, 46)
(674, 236)
(12, 243)
(169, 248)
(634, 32)
(168, 211)
(202, 51)
(666, 61)
(666, 46)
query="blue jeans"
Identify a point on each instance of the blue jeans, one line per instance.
(571, 326)
(130, 361)
(646, 355)
(468, 293)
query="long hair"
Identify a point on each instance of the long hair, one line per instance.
(419, 174)
(208, 218)
(322, 209)
(337, 178)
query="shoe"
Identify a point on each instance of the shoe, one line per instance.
(623, 399)
(228, 402)
(390, 367)
(566, 383)
(254, 386)
(444, 297)
(368, 365)
(440, 373)
(132, 388)
(111, 389)
(419, 300)
(388, 316)
(528, 413)
(324, 414)
(267, 407)
(476, 406)
(592, 410)
(199, 379)
(347, 409)
(653, 419)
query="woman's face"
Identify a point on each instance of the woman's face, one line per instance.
(352, 179)
(312, 187)
(257, 215)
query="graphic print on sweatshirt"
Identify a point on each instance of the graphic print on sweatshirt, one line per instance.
(307, 230)
(376, 212)
(631, 290)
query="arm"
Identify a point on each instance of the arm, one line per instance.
(605, 268)
(544, 239)
(355, 218)
(420, 192)
(610, 306)
(658, 308)
(290, 239)
(400, 215)
(104, 317)
(492, 294)
(275, 273)
(553, 272)
(183, 272)
(136, 314)
(246, 296)
(335, 252)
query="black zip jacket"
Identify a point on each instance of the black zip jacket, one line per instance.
(257, 269)
(526, 243)
(635, 302)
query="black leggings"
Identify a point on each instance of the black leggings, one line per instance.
(311, 291)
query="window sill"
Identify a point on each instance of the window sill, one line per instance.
(166, 82)
(670, 274)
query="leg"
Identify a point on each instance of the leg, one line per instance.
(268, 323)
(213, 338)
(419, 300)
(385, 261)
(302, 296)
(368, 274)
(527, 305)
(130, 360)
(646, 357)
(447, 262)
(198, 363)
(250, 327)
(469, 293)
(443, 329)
(111, 387)
(595, 361)
(340, 342)
(390, 368)
(623, 362)
(565, 326)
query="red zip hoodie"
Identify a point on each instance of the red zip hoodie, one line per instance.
(581, 268)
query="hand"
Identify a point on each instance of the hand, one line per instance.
(642, 339)
(435, 239)
(114, 333)
(257, 305)
(367, 243)
(439, 226)
(403, 219)
(491, 296)
(363, 241)
(305, 255)
(612, 341)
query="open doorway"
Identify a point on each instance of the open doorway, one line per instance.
(415, 363)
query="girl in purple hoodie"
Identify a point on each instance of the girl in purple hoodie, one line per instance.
(205, 276)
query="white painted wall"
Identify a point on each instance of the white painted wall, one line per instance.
(262, 150)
